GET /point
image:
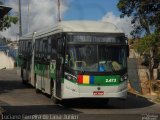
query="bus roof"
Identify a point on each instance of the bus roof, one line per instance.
(78, 26)
(89, 26)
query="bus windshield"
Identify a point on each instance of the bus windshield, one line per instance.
(96, 58)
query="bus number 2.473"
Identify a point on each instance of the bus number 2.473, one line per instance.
(111, 80)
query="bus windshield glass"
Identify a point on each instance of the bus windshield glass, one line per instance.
(96, 58)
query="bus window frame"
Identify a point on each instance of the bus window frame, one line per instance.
(123, 44)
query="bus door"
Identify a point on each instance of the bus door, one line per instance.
(44, 67)
(28, 61)
(59, 70)
(42, 78)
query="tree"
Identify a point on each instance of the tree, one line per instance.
(145, 16)
(7, 20)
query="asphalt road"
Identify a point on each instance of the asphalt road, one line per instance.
(21, 102)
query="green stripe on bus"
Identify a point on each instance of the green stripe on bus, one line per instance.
(107, 80)
(94, 84)
(42, 70)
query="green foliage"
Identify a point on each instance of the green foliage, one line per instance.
(7, 21)
(145, 14)
(144, 44)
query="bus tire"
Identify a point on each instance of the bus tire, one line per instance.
(36, 89)
(23, 81)
(53, 98)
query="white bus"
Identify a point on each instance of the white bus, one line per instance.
(76, 59)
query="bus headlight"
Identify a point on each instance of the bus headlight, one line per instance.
(71, 77)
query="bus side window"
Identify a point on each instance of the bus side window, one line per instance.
(53, 48)
(26, 43)
(49, 45)
(60, 45)
(29, 48)
(21, 47)
(40, 47)
(24, 47)
(36, 48)
(49, 48)
(45, 48)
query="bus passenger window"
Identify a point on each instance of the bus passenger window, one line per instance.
(49, 45)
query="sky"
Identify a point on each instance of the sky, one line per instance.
(43, 13)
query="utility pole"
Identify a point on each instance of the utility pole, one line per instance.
(20, 20)
(28, 14)
(59, 11)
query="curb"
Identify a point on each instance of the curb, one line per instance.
(139, 95)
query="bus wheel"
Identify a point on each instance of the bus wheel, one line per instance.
(23, 81)
(36, 88)
(53, 98)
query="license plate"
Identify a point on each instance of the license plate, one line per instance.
(98, 93)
